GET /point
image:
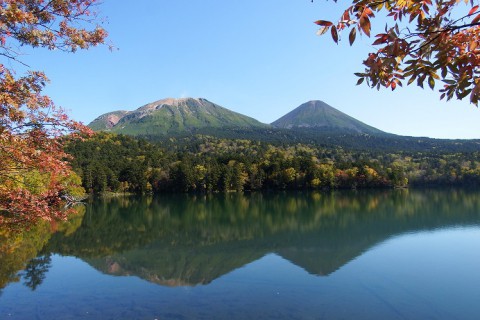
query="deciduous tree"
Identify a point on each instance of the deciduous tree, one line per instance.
(34, 173)
(424, 41)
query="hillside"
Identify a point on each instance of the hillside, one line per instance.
(313, 123)
(173, 116)
(319, 115)
(107, 121)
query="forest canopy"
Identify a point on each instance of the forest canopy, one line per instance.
(117, 163)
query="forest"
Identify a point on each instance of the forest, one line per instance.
(203, 164)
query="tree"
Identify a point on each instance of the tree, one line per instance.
(422, 41)
(34, 173)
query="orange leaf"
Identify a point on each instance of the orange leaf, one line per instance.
(473, 45)
(367, 12)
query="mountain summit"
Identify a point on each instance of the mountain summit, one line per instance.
(173, 116)
(189, 115)
(319, 115)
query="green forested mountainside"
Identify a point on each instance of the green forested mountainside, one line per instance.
(187, 115)
(319, 115)
(313, 123)
(108, 162)
(328, 138)
(170, 116)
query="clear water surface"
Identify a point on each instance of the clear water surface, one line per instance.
(394, 254)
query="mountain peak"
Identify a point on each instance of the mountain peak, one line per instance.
(174, 102)
(174, 115)
(316, 104)
(190, 115)
(319, 115)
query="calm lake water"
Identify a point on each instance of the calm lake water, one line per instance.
(394, 254)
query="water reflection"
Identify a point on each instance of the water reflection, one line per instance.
(24, 254)
(35, 271)
(187, 240)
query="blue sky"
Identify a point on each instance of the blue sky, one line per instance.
(259, 58)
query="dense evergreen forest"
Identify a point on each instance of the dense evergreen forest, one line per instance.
(203, 163)
(329, 138)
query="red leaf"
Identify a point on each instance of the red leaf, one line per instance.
(382, 38)
(352, 36)
(334, 34)
(472, 11)
(323, 23)
(476, 19)
(365, 25)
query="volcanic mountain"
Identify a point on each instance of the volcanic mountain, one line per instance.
(319, 115)
(173, 116)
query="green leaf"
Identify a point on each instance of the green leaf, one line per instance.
(450, 82)
(411, 79)
(420, 81)
(444, 72)
(463, 94)
(431, 82)
(452, 68)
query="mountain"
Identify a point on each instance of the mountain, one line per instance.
(170, 116)
(107, 121)
(319, 115)
(314, 122)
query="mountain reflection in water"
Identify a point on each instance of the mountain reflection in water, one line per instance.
(186, 240)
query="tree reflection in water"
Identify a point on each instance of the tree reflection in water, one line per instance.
(186, 240)
(35, 271)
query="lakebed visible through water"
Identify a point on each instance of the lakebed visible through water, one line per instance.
(390, 254)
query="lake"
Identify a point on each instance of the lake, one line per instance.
(390, 254)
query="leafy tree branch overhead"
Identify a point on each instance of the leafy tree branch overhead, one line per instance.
(424, 41)
(34, 173)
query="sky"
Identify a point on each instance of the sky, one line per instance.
(258, 58)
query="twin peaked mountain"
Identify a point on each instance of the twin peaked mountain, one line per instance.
(189, 115)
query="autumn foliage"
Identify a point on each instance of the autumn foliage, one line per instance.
(34, 174)
(424, 41)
